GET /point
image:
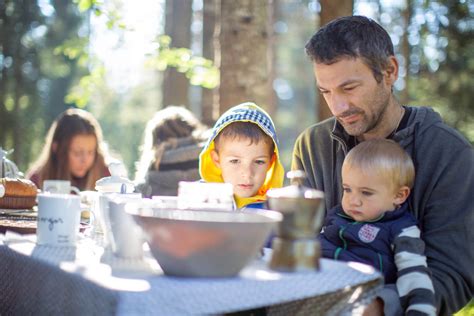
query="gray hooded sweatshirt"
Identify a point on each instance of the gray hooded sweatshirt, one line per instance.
(441, 199)
(180, 163)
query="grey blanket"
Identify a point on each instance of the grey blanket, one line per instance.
(29, 286)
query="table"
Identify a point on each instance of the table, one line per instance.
(21, 221)
(88, 279)
(24, 221)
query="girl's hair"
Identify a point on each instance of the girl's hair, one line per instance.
(384, 157)
(169, 127)
(244, 130)
(53, 162)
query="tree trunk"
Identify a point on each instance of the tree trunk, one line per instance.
(17, 93)
(405, 95)
(67, 22)
(3, 82)
(19, 98)
(244, 47)
(331, 9)
(209, 100)
(178, 26)
(272, 17)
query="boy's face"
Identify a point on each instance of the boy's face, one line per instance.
(244, 165)
(367, 195)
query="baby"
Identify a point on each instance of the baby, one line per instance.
(374, 225)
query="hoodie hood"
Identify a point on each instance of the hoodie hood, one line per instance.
(245, 112)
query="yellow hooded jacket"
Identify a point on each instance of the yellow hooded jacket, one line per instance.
(245, 112)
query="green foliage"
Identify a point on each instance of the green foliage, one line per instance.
(113, 109)
(440, 71)
(76, 49)
(200, 71)
(81, 94)
(113, 18)
(86, 5)
(296, 110)
(20, 98)
(446, 74)
(73, 48)
(123, 118)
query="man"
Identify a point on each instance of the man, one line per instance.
(355, 69)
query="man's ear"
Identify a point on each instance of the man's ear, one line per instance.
(215, 158)
(401, 195)
(390, 73)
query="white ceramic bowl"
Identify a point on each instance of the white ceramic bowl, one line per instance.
(199, 243)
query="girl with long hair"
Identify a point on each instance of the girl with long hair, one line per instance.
(74, 150)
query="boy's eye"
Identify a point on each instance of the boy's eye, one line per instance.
(367, 193)
(346, 190)
(260, 162)
(234, 161)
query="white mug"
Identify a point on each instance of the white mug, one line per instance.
(126, 236)
(58, 219)
(59, 186)
(101, 210)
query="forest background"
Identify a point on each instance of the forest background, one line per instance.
(111, 58)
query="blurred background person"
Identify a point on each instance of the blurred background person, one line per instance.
(173, 139)
(74, 150)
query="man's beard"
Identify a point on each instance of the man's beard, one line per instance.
(366, 123)
(356, 128)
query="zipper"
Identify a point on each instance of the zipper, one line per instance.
(380, 262)
(341, 141)
(344, 246)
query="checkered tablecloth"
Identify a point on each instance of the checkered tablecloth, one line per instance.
(90, 280)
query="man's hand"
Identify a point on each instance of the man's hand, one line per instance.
(374, 309)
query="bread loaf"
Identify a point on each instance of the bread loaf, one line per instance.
(17, 193)
(18, 187)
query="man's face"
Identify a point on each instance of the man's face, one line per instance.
(353, 95)
(243, 164)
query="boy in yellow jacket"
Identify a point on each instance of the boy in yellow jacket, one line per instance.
(243, 151)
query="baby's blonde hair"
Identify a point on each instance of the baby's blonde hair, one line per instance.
(384, 157)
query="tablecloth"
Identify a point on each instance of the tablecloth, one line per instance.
(93, 281)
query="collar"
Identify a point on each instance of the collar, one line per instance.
(241, 202)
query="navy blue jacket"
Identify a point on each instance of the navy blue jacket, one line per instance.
(344, 239)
